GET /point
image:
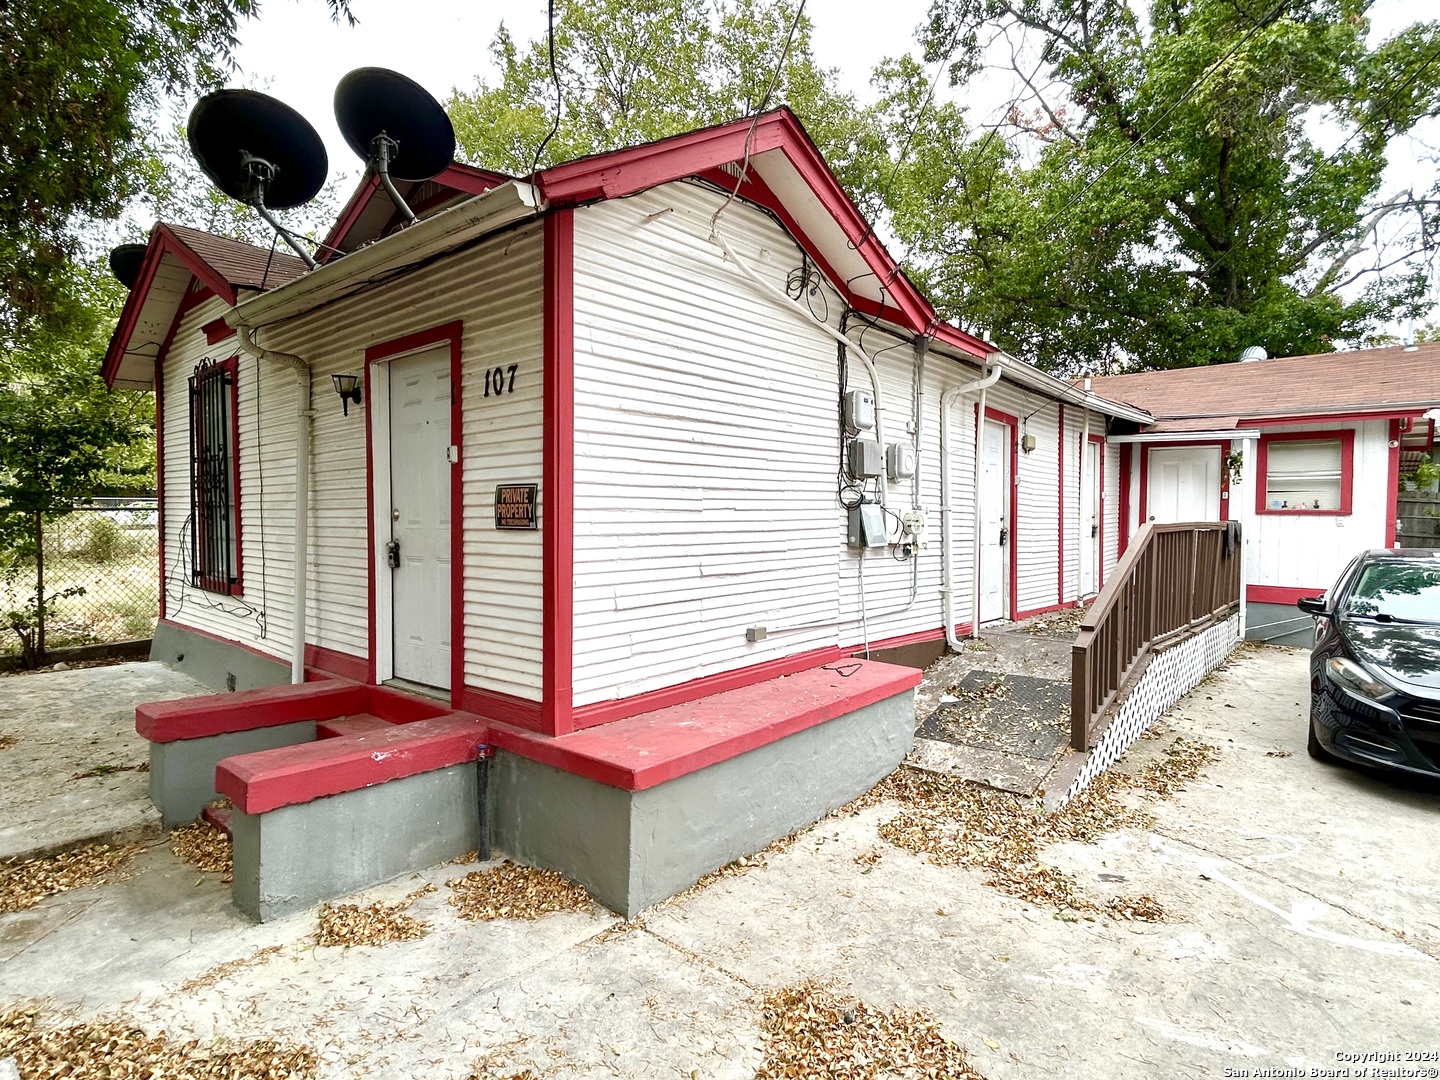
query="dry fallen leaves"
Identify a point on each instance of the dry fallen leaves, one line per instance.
(6, 741)
(371, 924)
(954, 823)
(511, 891)
(109, 1048)
(1061, 624)
(24, 884)
(810, 1030)
(204, 847)
(219, 972)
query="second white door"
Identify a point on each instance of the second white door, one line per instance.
(1184, 484)
(995, 523)
(420, 557)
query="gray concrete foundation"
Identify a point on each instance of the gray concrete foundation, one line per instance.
(217, 664)
(633, 849)
(1279, 624)
(293, 857)
(182, 773)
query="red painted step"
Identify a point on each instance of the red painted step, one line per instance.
(219, 816)
(354, 724)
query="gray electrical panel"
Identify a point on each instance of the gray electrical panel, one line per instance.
(863, 459)
(867, 526)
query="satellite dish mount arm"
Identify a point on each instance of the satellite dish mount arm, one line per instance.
(382, 149)
(260, 174)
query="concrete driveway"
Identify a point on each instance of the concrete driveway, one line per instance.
(1307, 929)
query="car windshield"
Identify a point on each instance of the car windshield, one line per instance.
(1397, 590)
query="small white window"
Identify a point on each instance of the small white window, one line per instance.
(1303, 474)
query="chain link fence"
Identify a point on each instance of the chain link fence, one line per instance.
(100, 564)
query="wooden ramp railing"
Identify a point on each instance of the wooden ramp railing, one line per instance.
(1172, 582)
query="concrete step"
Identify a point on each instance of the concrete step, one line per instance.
(354, 724)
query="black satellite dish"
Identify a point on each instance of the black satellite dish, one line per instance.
(260, 151)
(125, 263)
(395, 125)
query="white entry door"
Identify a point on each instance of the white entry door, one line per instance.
(419, 566)
(1184, 484)
(1090, 510)
(995, 522)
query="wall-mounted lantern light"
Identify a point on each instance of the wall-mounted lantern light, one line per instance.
(348, 387)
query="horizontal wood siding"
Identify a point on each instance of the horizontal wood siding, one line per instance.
(495, 290)
(260, 617)
(1112, 508)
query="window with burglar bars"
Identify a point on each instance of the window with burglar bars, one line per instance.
(214, 479)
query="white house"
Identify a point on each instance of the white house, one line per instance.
(1306, 451)
(639, 432)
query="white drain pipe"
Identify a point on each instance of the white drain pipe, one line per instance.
(947, 560)
(303, 416)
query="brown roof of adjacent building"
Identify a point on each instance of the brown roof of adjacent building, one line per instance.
(1363, 380)
(242, 265)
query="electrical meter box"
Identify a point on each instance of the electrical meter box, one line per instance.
(900, 460)
(862, 459)
(867, 526)
(859, 411)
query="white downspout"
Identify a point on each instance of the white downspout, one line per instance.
(1087, 508)
(947, 561)
(303, 415)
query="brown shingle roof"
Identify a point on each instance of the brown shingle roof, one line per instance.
(242, 265)
(1360, 381)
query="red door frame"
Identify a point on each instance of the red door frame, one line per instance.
(450, 333)
(1145, 449)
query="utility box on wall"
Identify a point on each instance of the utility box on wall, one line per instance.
(867, 526)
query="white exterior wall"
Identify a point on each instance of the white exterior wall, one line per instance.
(1301, 552)
(261, 616)
(706, 452)
(495, 289)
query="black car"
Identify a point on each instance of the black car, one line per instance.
(1375, 668)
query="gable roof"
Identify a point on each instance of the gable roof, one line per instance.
(369, 214)
(182, 265)
(1379, 381)
(784, 172)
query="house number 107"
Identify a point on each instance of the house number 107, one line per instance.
(495, 381)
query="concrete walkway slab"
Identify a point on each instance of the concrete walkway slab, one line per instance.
(74, 771)
(1305, 902)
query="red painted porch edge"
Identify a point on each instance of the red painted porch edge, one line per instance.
(1279, 594)
(245, 710)
(505, 708)
(649, 749)
(557, 492)
(326, 662)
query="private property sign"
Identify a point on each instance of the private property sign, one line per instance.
(515, 506)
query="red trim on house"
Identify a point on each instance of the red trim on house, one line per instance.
(1046, 610)
(626, 172)
(504, 708)
(557, 493)
(326, 662)
(1331, 418)
(644, 750)
(1060, 525)
(465, 179)
(1392, 485)
(1277, 594)
(919, 637)
(1347, 470)
(1126, 464)
(221, 639)
(215, 331)
(1100, 513)
(451, 333)
(193, 298)
(1012, 507)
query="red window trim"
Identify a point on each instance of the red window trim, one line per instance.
(1347, 470)
(199, 580)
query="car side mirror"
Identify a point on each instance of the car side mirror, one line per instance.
(1313, 605)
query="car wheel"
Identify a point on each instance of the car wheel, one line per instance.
(1313, 747)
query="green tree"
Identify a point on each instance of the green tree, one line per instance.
(1158, 196)
(631, 71)
(77, 80)
(64, 437)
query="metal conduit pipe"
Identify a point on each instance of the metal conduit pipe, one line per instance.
(303, 415)
(947, 558)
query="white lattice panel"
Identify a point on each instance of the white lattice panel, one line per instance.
(1171, 675)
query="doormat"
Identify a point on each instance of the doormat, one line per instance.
(1007, 714)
